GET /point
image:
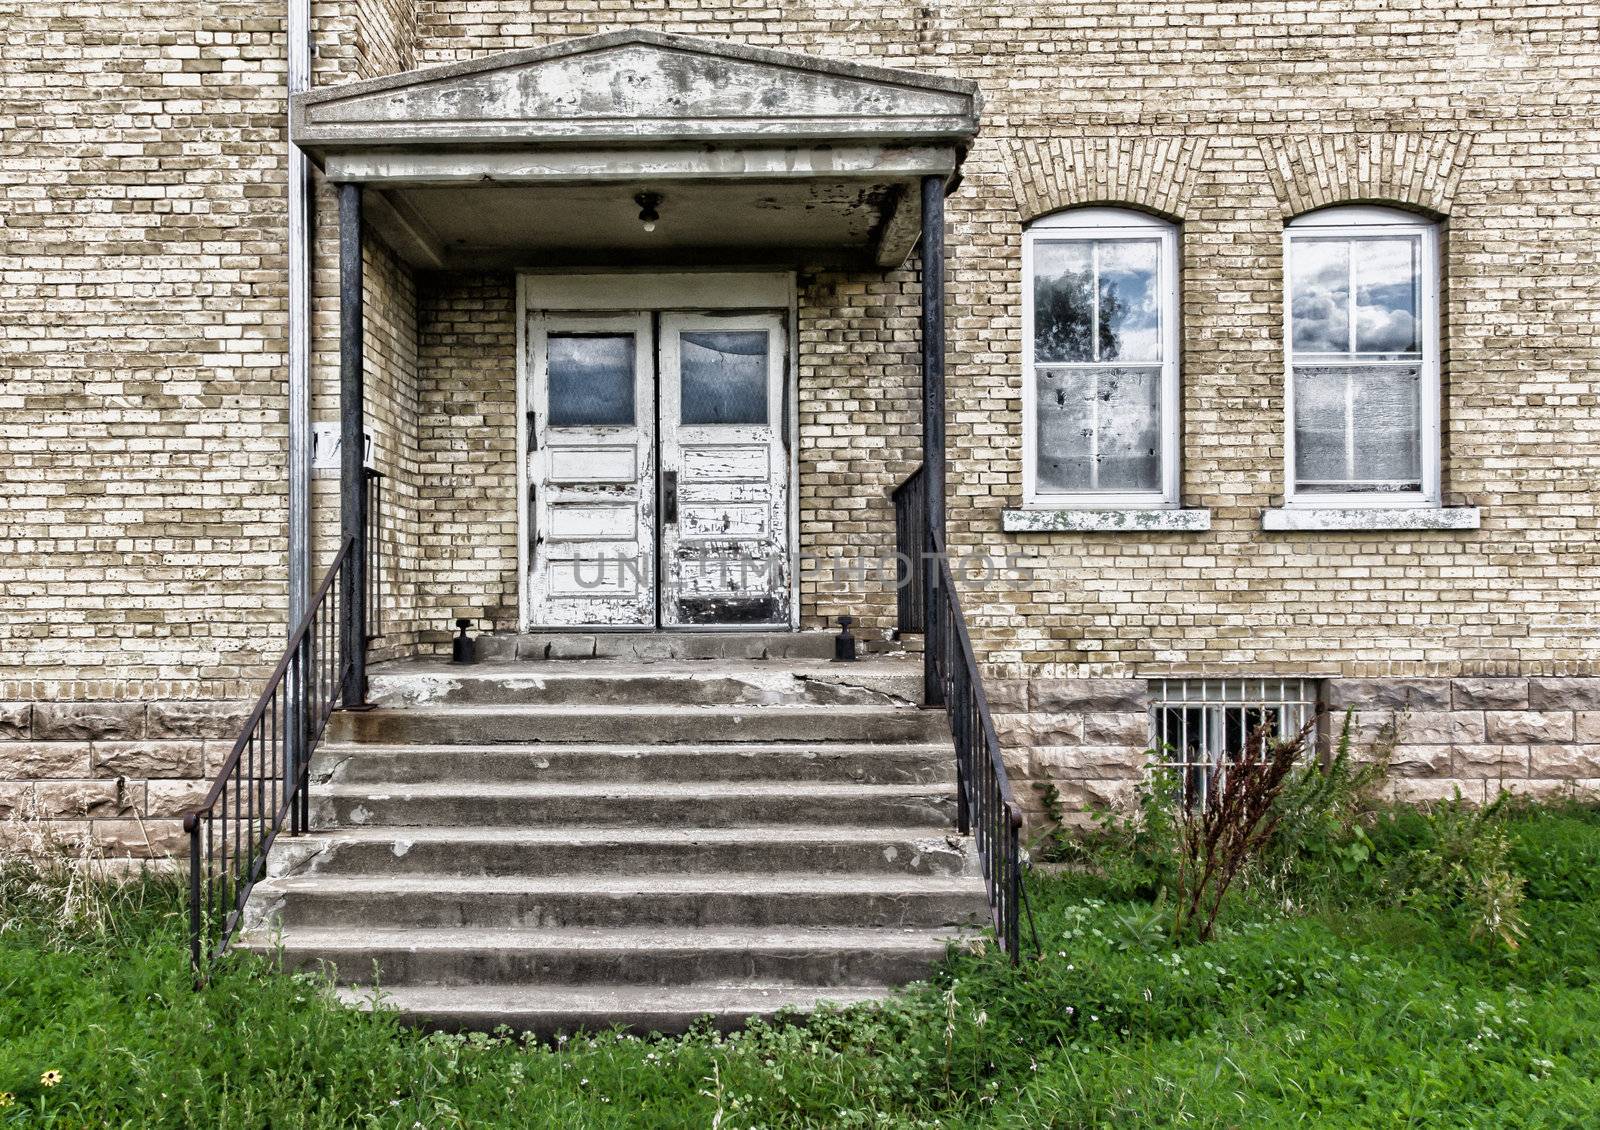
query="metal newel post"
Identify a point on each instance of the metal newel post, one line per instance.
(933, 188)
(352, 432)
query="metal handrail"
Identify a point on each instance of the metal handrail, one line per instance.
(263, 780)
(985, 806)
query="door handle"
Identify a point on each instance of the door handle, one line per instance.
(669, 501)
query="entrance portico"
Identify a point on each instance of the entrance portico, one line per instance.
(646, 158)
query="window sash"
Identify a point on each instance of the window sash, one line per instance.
(1038, 490)
(1423, 488)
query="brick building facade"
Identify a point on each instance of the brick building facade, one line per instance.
(144, 339)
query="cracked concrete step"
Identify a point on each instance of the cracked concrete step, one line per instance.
(730, 899)
(695, 805)
(676, 682)
(573, 850)
(546, 1010)
(637, 724)
(654, 646)
(832, 956)
(356, 763)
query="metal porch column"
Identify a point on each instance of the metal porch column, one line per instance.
(352, 439)
(933, 189)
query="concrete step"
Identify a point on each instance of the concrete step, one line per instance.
(358, 763)
(546, 1010)
(626, 901)
(609, 957)
(876, 681)
(576, 850)
(668, 646)
(692, 805)
(637, 724)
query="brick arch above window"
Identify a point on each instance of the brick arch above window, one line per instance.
(1151, 173)
(1417, 170)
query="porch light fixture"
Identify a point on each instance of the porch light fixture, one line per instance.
(648, 202)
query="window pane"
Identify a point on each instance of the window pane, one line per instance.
(1388, 447)
(1129, 402)
(1319, 294)
(1065, 452)
(590, 380)
(724, 376)
(1386, 295)
(1063, 317)
(1319, 428)
(1357, 428)
(1130, 310)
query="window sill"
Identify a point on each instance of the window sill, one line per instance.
(1371, 518)
(1121, 521)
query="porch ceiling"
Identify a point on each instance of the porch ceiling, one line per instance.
(534, 157)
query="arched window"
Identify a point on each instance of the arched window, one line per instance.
(1363, 358)
(1100, 333)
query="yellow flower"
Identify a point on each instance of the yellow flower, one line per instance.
(49, 1078)
(6, 1099)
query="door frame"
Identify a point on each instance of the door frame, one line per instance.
(559, 292)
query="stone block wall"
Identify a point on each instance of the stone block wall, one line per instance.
(1475, 737)
(119, 775)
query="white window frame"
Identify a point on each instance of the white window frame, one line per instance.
(1096, 224)
(1356, 222)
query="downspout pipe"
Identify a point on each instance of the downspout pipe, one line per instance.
(299, 328)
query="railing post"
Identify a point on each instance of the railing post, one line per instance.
(191, 825)
(352, 420)
(933, 188)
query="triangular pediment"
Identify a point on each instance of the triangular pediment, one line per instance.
(639, 87)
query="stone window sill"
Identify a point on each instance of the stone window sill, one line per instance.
(1122, 521)
(1371, 518)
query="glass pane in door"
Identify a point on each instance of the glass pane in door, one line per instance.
(724, 376)
(591, 380)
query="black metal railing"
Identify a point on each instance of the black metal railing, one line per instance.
(985, 807)
(375, 554)
(910, 547)
(263, 783)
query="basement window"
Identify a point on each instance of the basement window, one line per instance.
(1201, 724)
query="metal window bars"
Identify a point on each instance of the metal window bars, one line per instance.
(1199, 726)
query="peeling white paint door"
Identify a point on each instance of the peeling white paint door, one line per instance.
(591, 471)
(724, 470)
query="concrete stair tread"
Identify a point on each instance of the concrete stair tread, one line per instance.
(617, 749)
(603, 833)
(641, 1007)
(629, 668)
(591, 938)
(646, 711)
(686, 790)
(620, 886)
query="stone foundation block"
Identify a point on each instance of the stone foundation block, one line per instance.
(1131, 731)
(58, 799)
(32, 761)
(1491, 761)
(1586, 726)
(1564, 694)
(1489, 694)
(148, 759)
(1565, 761)
(174, 798)
(1085, 762)
(16, 720)
(1032, 730)
(88, 721)
(195, 720)
(1433, 727)
(1416, 790)
(140, 839)
(1530, 726)
(1390, 694)
(1083, 696)
(1007, 695)
(1421, 761)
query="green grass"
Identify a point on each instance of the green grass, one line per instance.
(1360, 1015)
